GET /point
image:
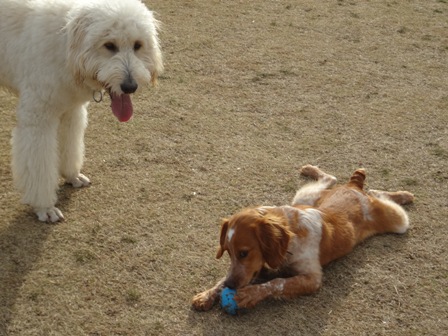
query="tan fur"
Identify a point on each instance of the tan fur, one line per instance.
(279, 251)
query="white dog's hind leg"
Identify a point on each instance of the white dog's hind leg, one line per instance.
(35, 160)
(71, 145)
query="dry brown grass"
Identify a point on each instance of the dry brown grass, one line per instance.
(252, 91)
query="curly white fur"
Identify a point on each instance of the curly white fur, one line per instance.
(56, 54)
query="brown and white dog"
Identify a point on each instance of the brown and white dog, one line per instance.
(279, 252)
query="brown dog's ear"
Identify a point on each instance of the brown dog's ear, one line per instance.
(222, 239)
(274, 239)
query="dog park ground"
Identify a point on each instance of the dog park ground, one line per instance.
(252, 91)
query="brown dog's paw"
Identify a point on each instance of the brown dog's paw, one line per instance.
(405, 197)
(310, 171)
(250, 296)
(315, 173)
(204, 301)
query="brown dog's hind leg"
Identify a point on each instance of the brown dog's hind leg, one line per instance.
(317, 174)
(310, 193)
(399, 197)
(358, 178)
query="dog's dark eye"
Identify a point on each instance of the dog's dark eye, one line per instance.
(243, 254)
(111, 46)
(137, 46)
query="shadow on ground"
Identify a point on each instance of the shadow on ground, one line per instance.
(21, 245)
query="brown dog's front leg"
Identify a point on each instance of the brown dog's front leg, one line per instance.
(204, 301)
(249, 296)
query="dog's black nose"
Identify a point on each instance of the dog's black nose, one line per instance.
(129, 86)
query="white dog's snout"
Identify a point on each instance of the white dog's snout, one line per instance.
(129, 85)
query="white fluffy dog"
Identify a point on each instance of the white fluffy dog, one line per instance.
(57, 55)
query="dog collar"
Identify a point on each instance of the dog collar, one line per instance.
(97, 96)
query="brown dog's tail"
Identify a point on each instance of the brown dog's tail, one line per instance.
(358, 178)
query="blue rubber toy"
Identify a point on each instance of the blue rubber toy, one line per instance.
(228, 302)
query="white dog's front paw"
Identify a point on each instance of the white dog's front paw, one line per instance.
(51, 214)
(79, 181)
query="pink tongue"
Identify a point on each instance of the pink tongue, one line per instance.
(121, 106)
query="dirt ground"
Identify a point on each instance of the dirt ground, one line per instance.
(252, 91)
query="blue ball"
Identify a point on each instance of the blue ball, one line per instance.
(228, 302)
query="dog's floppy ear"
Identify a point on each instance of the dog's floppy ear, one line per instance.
(76, 31)
(274, 239)
(154, 62)
(222, 239)
(157, 63)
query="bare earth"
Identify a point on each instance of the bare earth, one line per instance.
(252, 90)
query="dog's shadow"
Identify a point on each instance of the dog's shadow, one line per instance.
(21, 245)
(306, 315)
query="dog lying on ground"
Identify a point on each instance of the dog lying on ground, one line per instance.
(57, 55)
(278, 252)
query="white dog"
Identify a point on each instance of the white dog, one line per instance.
(57, 55)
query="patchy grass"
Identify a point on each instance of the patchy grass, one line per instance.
(84, 256)
(133, 296)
